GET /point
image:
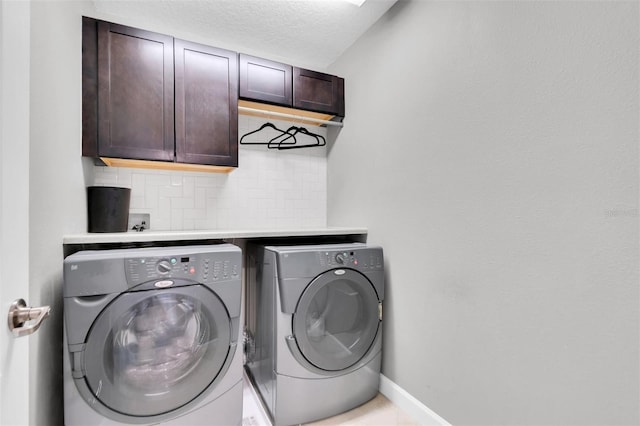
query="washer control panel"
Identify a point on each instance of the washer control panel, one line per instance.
(198, 267)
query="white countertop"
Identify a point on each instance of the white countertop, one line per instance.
(151, 236)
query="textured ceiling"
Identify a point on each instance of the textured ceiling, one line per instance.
(308, 33)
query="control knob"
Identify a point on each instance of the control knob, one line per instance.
(163, 267)
(340, 258)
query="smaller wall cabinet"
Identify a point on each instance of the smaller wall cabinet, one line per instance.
(280, 84)
(266, 81)
(148, 96)
(317, 91)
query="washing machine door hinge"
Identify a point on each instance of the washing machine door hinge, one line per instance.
(291, 342)
(380, 311)
(76, 354)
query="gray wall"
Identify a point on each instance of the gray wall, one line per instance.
(56, 187)
(492, 150)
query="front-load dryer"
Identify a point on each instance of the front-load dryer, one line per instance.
(314, 328)
(151, 336)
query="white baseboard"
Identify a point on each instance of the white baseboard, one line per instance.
(410, 405)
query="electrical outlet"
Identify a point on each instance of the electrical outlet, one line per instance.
(139, 222)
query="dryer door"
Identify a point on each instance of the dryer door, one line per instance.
(336, 319)
(152, 352)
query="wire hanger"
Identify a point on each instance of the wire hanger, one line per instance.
(290, 133)
(319, 139)
(264, 126)
(286, 139)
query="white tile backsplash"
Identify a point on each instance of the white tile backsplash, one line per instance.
(270, 188)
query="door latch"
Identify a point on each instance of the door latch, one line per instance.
(25, 320)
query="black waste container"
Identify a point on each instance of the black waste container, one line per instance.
(108, 208)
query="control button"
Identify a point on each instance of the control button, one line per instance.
(192, 270)
(163, 267)
(174, 260)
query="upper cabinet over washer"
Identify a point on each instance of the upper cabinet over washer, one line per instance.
(206, 90)
(137, 108)
(135, 93)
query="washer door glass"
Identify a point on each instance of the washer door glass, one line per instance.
(152, 352)
(336, 320)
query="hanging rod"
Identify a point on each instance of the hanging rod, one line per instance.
(291, 116)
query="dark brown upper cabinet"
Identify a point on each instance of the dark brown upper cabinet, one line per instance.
(206, 104)
(266, 81)
(135, 93)
(283, 85)
(136, 107)
(316, 91)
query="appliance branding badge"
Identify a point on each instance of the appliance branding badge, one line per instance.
(163, 284)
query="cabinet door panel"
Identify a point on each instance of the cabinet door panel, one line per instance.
(206, 104)
(135, 93)
(265, 81)
(317, 91)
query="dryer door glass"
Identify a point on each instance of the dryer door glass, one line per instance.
(152, 352)
(336, 319)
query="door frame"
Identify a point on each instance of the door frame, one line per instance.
(15, 47)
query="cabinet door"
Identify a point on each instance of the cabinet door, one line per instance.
(135, 93)
(316, 91)
(206, 120)
(265, 81)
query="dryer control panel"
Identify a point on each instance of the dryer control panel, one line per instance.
(364, 259)
(312, 260)
(198, 267)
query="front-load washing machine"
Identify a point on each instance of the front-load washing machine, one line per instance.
(151, 336)
(314, 328)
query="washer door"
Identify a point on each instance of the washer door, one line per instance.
(336, 319)
(152, 352)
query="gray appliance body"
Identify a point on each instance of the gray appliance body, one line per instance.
(150, 336)
(314, 325)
